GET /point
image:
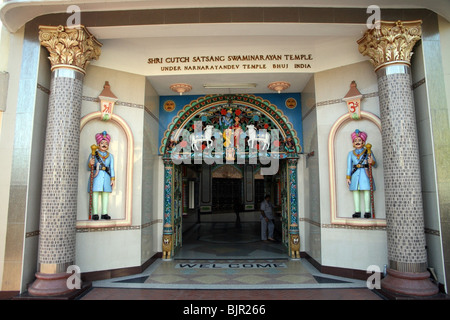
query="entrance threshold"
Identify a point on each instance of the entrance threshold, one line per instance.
(223, 254)
(220, 253)
(239, 275)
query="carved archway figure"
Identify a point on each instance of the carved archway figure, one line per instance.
(224, 112)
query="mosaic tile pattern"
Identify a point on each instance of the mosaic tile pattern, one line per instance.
(60, 174)
(270, 275)
(293, 273)
(404, 209)
(214, 257)
(261, 274)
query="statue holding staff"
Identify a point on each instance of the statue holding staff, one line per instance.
(102, 179)
(359, 175)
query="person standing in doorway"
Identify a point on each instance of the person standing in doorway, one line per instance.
(267, 225)
(238, 207)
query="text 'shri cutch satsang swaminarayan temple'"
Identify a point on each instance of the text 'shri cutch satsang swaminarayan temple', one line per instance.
(127, 126)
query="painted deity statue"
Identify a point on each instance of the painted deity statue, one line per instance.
(358, 174)
(102, 179)
(226, 120)
(289, 145)
(237, 131)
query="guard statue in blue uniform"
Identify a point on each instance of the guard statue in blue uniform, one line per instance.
(359, 179)
(102, 180)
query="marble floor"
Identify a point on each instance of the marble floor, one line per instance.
(225, 255)
(228, 240)
(167, 296)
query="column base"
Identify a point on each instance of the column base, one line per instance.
(408, 284)
(47, 285)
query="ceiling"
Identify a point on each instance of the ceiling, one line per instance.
(162, 84)
(15, 13)
(333, 45)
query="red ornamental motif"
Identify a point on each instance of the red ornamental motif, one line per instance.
(238, 112)
(266, 126)
(223, 112)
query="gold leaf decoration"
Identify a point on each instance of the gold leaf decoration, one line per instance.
(74, 46)
(392, 42)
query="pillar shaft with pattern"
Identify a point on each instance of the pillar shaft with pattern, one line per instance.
(390, 49)
(70, 50)
(405, 223)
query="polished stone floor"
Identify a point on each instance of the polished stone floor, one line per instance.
(228, 240)
(225, 255)
(224, 260)
(260, 296)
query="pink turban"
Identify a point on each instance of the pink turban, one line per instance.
(360, 134)
(102, 136)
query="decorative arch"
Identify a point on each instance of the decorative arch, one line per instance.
(335, 219)
(274, 118)
(128, 192)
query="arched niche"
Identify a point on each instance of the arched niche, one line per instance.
(122, 148)
(340, 196)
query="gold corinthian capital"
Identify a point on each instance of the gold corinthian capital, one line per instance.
(70, 47)
(391, 43)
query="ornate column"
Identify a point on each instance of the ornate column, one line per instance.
(390, 49)
(294, 239)
(167, 245)
(70, 50)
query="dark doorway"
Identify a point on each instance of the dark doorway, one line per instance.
(259, 192)
(226, 192)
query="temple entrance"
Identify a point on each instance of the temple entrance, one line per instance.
(230, 150)
(229, 230)
(216, 210)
